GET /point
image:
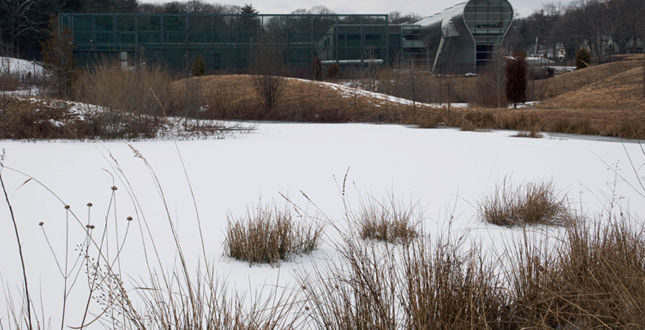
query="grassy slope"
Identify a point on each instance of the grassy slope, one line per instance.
(233, 97)
(600, 100)
(612, 86)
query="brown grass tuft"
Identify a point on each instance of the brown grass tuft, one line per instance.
(529, 204)
(593, 280)
(268, 234)
(392, 221)
(533, 133)
(419, 285)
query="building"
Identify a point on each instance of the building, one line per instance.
(467, 35)
(461, 38)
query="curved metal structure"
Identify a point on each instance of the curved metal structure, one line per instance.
(466, 35)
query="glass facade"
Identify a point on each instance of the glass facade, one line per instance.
(461, 39)
(487, 21)
(466, 36)
(228, 42)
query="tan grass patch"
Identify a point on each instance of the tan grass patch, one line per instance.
(529, 204)
(388, 221)
(268, 234)
(608, 86)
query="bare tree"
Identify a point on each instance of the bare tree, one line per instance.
(590, 20)
(267, 64)
(490, 83)
(17, 17)
(396, 17)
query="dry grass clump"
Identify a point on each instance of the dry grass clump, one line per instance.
(139, 95)
(208, 303)
(534, 133)
(529, 204)
(593, 280)
(44, 118)
(419, 285)
(425, 118)
(268, 234)
(392, 221)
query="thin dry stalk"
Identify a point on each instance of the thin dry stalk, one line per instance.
(27, 296)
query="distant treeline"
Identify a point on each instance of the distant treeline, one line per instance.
(605, 27)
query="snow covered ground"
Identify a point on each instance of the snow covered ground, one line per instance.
(446, 170)
(19, 66)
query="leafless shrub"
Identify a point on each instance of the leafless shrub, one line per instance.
(269, 89)
(490, 83)
(529, 204)
(268, 234)
(268, 85)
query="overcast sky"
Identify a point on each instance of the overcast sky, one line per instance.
(423, 8)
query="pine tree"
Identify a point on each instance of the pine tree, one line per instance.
(198, 67)
(249, 22)
(583, 58)
(58, 56)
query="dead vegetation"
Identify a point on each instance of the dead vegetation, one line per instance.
(602, 100)
(532, 203)
(268, 235)
(233, 97)
(387, 221)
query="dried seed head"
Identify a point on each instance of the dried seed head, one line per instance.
(67, 207)
(114, 188)
(89, 205)
(129, 218)
(304, 287)
(306, 308)
(89, 226)
(41, 223)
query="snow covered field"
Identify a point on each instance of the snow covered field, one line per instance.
(447, 171)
